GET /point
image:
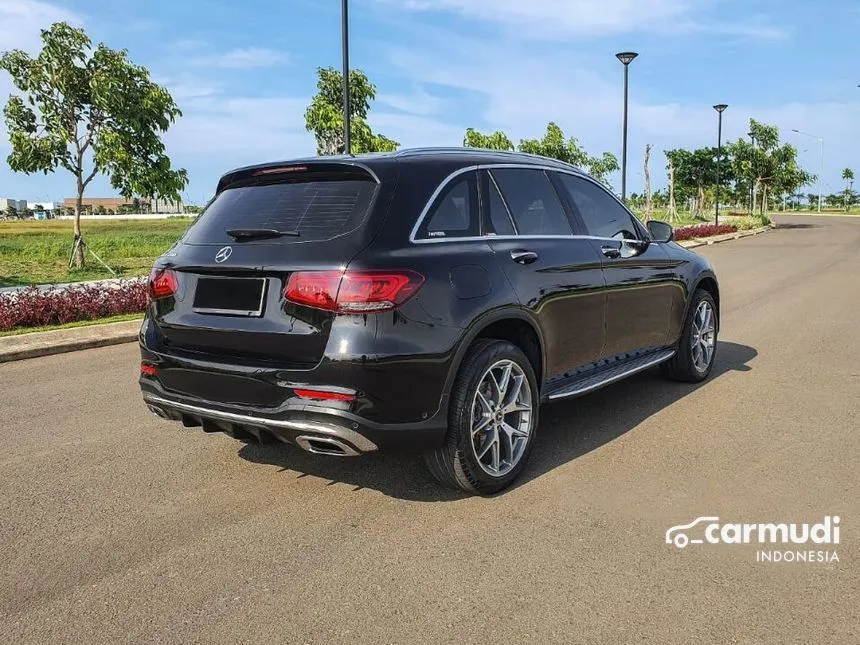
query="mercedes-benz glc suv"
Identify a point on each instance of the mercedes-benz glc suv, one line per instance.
(428, 299)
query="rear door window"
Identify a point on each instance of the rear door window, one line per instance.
(316, 210)
(532, 201)
(455, 211)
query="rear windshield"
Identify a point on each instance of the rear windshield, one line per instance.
(317, 210)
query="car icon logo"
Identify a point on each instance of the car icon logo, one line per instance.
(680, 539)
(223, 254)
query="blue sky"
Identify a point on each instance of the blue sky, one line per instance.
(243, 73)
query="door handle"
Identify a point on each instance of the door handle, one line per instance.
(610, 251)
(524, 257)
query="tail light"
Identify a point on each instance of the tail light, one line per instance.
(323, 395)
(148, 369)
(162, 283)
(352, 291)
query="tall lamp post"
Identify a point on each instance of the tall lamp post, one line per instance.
(626, 58)
(821, 175)
(720, 108)
(344, 20)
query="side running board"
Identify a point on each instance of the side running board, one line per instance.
(612, 374)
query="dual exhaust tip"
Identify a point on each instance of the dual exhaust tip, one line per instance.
(316, 444)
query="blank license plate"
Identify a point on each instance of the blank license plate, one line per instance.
(230, 296)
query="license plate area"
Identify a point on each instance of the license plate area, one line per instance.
(230, 296)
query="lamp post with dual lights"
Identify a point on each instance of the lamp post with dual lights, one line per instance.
(720, 108)
(626, 58)
(821, 175)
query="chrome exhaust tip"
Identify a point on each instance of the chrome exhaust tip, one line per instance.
(159, 412)
(326, 446)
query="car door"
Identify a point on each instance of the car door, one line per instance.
(641, 279)
(555, 274)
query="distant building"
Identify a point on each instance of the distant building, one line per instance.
(121, 204)
(47, 207)
(20, 206)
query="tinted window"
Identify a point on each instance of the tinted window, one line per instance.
(318, 210)
(532, 201)
(454, 213)
(500, 219)
(602, 215)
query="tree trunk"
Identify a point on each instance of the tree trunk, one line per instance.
(672, 211)
(764, 199)
(648, 204)
(700, 201)
(78, 254)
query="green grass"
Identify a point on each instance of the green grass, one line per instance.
(34, 252)
(80, 323)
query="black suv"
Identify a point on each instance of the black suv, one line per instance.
(429, 299)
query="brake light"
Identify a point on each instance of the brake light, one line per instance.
(323, 395)
(148, 369)
(352, 291)
(162, 283)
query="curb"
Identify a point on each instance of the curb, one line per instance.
(59, 341)
(705, 241)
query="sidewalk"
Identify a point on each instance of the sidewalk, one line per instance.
(44, 343)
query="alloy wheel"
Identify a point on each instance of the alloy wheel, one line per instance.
(501, 420)
(704, 336)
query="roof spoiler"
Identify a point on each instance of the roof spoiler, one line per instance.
(291, 170)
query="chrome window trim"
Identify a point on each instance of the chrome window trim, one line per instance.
(483, 238)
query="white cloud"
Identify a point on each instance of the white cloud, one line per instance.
(21, 22)
(418, 102)
(594, 18)
(247, 58)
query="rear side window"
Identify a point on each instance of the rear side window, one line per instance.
(500, 218)
(532, 201)
(317, 210)
(455, 211)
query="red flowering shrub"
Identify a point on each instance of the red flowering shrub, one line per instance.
(34, 307)
(702, 230)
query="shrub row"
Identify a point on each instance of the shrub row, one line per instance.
(37, 308)
(703, 230)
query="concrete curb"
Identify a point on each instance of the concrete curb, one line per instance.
(696, 242)
(58, 341)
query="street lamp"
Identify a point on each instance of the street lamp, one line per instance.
(821, 175)
(720, 108)
(344, 15)
(626, 58)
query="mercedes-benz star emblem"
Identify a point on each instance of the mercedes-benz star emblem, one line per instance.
(223, 254)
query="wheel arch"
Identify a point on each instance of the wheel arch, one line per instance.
(512, 324)
(707, 281)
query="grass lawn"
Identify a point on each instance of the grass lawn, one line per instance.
(34, 252)
(80, 323)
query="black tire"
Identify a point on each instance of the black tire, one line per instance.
(681, 366)
(455, 464)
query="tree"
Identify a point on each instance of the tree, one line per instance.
(773, 166)
(848, 176)
(89, 111)
(324, 116)
(648, 202)
(694, 171)
(552, 145)
(672, 209)
(496, 141)
(11, 212)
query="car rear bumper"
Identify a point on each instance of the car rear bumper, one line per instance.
(313, 428)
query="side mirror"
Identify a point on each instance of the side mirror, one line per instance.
(660, 231)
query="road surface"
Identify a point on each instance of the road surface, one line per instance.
(117, 527)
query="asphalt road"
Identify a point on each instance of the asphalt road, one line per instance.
(117, 527)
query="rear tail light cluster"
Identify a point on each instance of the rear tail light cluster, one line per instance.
(352, 291)
(162, 283)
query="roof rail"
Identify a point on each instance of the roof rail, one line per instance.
(407, 152)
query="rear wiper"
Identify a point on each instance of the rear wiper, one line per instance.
(248, 233)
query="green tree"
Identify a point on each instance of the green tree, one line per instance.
(773, 165)
(11, 212)
(324, 116)
(495, 141)
(552, 145)
(89, 111)
(848, 176)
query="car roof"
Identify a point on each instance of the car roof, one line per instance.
(381, 163)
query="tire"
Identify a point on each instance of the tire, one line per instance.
(456, 464)
(684, 366)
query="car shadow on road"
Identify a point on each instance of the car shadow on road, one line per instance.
(568, 430)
